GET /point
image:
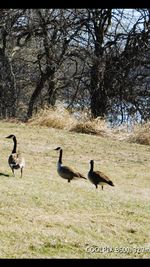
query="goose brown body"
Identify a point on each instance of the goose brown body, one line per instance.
(65, 171)
(15, 160)
(97, 177)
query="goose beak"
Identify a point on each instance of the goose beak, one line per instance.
(10, 136)
(57, 148)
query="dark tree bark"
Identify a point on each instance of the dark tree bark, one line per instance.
(44, 77)
(7, 88)
(101, 20)
(98, 93)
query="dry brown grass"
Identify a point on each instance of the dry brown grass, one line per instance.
(43, 216)
(141, 134)
(60, 118)
(93, 126)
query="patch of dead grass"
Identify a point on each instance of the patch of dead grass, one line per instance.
(141, 134)
(95, 126)
(43, 216)
(61, 118)
(57, 118)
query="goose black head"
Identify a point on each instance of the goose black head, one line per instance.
(11, 136)
(57, 148)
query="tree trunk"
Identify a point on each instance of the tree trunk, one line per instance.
(35, 95)
(101, 20)
(8, 87)
(98, 94)
(51, 92)
(44, 77)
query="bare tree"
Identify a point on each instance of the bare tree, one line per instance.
(57, 29)
(8, 19)
(94, 58)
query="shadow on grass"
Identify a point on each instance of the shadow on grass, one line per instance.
(4, 174)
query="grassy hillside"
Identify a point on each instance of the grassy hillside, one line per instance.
(43, 216)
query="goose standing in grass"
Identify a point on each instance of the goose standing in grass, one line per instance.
(66, 172)
(15, 160)
(97, 177)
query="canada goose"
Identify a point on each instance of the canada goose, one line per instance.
(64, 171)
(15, 160)
(97, 177)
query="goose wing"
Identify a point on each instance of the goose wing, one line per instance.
(69, 173)
(100, 177)
(81, 175)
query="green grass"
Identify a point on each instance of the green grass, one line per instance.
(43, 216)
